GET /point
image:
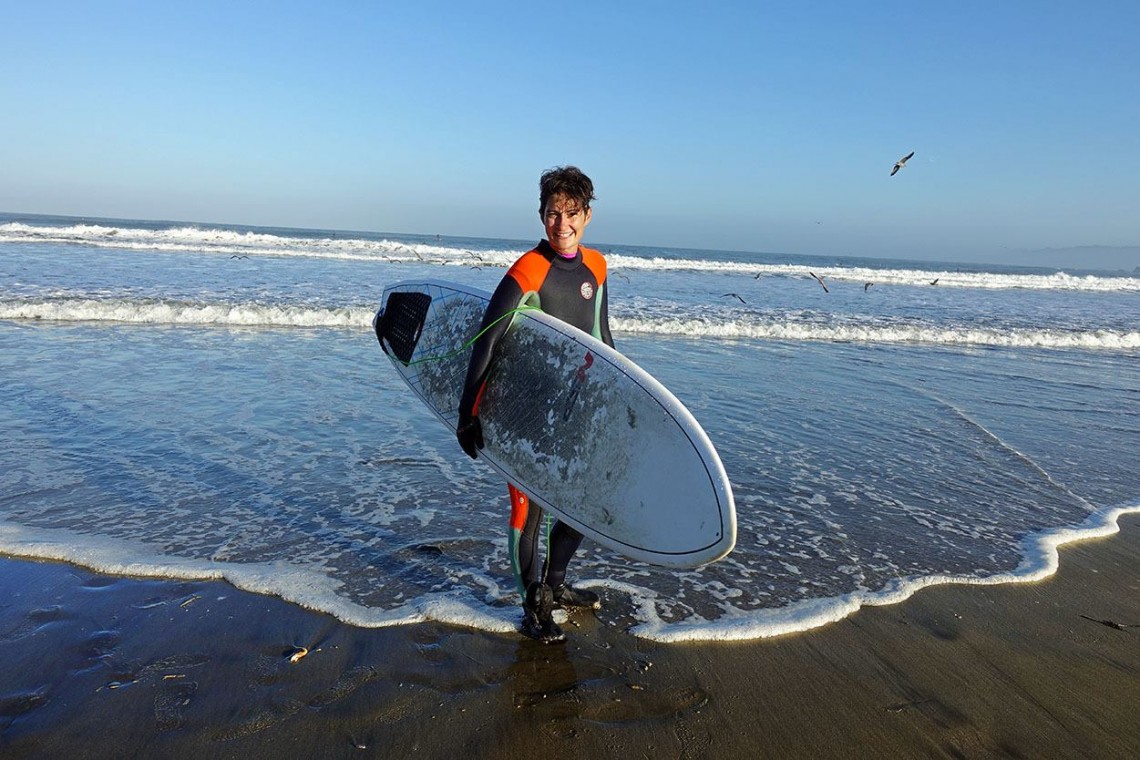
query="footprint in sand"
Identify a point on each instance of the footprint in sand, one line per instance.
(261, 720)
(344, 686)
(694, 738)
(33, 622)
(171, 702)
(639, 705)
(98, 646)
(14, 705)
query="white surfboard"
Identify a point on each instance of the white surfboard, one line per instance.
(582, 430)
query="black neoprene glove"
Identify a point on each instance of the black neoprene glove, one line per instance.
(470, 434)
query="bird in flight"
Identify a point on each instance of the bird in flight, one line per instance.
(819, 279)
(734, 295)
(901, 163)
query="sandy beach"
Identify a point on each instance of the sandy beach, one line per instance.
(99, 667)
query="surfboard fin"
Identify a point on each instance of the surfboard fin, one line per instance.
(400, 322)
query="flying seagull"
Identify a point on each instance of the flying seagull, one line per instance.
(901, 162)
(820, 281)
(734, 295)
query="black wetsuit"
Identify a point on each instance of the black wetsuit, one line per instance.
(573, 290)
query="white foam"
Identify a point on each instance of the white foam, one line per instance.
(945, 279)
(863, 275)
(768, 328)
(231, 242)
(309, 587)
(1042, 559)
(249, 314)
(183, 313)
(312, 588)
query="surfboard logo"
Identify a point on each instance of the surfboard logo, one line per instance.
(587, 290)
(579, 378)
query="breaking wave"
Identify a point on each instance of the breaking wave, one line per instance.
(775, 326)
(359, 247)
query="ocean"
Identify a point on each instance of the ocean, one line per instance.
(208, 401)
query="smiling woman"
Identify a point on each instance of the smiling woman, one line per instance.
(568, 282)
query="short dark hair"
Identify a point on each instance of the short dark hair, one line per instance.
(568, 181)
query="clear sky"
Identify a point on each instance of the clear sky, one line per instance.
(760, 126)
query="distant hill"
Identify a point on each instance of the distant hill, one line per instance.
(1124, 258)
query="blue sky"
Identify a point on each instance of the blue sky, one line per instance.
(747, 126)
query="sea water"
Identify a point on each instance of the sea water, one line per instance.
(208, 401)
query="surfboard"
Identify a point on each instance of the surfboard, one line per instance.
(574, 424)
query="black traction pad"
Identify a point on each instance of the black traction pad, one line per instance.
(401, 322)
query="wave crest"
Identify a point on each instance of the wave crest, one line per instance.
(352, 246)
(764, 327)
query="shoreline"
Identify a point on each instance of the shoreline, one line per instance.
(101, 666)
(1042, 561)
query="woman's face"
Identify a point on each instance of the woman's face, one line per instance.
(565, 220)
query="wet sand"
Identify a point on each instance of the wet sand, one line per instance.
(98, 667)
